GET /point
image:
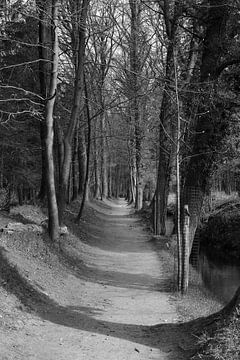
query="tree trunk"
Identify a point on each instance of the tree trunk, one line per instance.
(75, 170)
(168, 116)
(133, 183)
(75, 113)
(53, 225)
(96, 160)
(135, 65)
(44, 78)
(82, 159)
(110, 180)
(64, 178)
(43, 186)
(2, 168)
(161, 195)
(70, 183)
(20, 194)
(104, 169)
(168, 112)
(211, 123)
(60, 148)
(86, 182)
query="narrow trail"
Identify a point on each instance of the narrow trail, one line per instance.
(115, 305)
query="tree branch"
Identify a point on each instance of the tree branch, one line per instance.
(26, 92)
(22, 64)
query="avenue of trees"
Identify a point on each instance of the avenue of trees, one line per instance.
(113, 98)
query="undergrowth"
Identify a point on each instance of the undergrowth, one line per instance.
(224, 344)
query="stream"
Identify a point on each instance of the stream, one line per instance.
(221, 279)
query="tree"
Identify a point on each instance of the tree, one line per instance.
(210, 122)
(44, 48)
(167, 133)
(50, 38)
(81, 10)
(212, 114)
(86, 180)
(20, 102)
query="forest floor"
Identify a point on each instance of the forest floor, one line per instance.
(104, 294)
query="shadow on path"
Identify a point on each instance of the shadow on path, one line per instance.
(83, 318)
(108, 231)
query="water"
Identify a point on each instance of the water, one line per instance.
(222, 280)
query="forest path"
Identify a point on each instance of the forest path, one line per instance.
(113, 306)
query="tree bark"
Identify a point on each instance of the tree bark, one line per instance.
(2, 168)
(167, 131)
(20, 194)
(211, 123)
(53, 224)
(75, 113)
(75, 170)
(82, 159)
(44, 76)
(104, 169)
(96, 160)
(60, 148)
(110, 177)
(86, 182)
(135, 66)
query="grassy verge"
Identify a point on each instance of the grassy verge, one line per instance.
(198, 301)
(224, 344)
(220, 344)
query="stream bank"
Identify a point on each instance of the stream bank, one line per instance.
(219, 233)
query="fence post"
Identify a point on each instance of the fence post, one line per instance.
(186, 252)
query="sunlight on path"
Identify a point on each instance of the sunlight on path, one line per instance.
(109, 302)
(129, 287)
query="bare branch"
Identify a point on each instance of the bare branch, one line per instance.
(24, 63)
(26, 92)
(22, 99)
(3, 38)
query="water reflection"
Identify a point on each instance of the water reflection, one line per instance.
(221, 280)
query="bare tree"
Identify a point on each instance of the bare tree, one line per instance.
(167, 137)
(52, 21)
(81, 9)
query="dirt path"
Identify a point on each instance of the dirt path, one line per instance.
(114, 304)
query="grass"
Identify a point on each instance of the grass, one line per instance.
(224, 344)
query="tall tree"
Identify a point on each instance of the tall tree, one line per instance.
(44, 49)
(167, 138)
(52, 23)
(210, 122)
(212, 114)
(80, 9)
